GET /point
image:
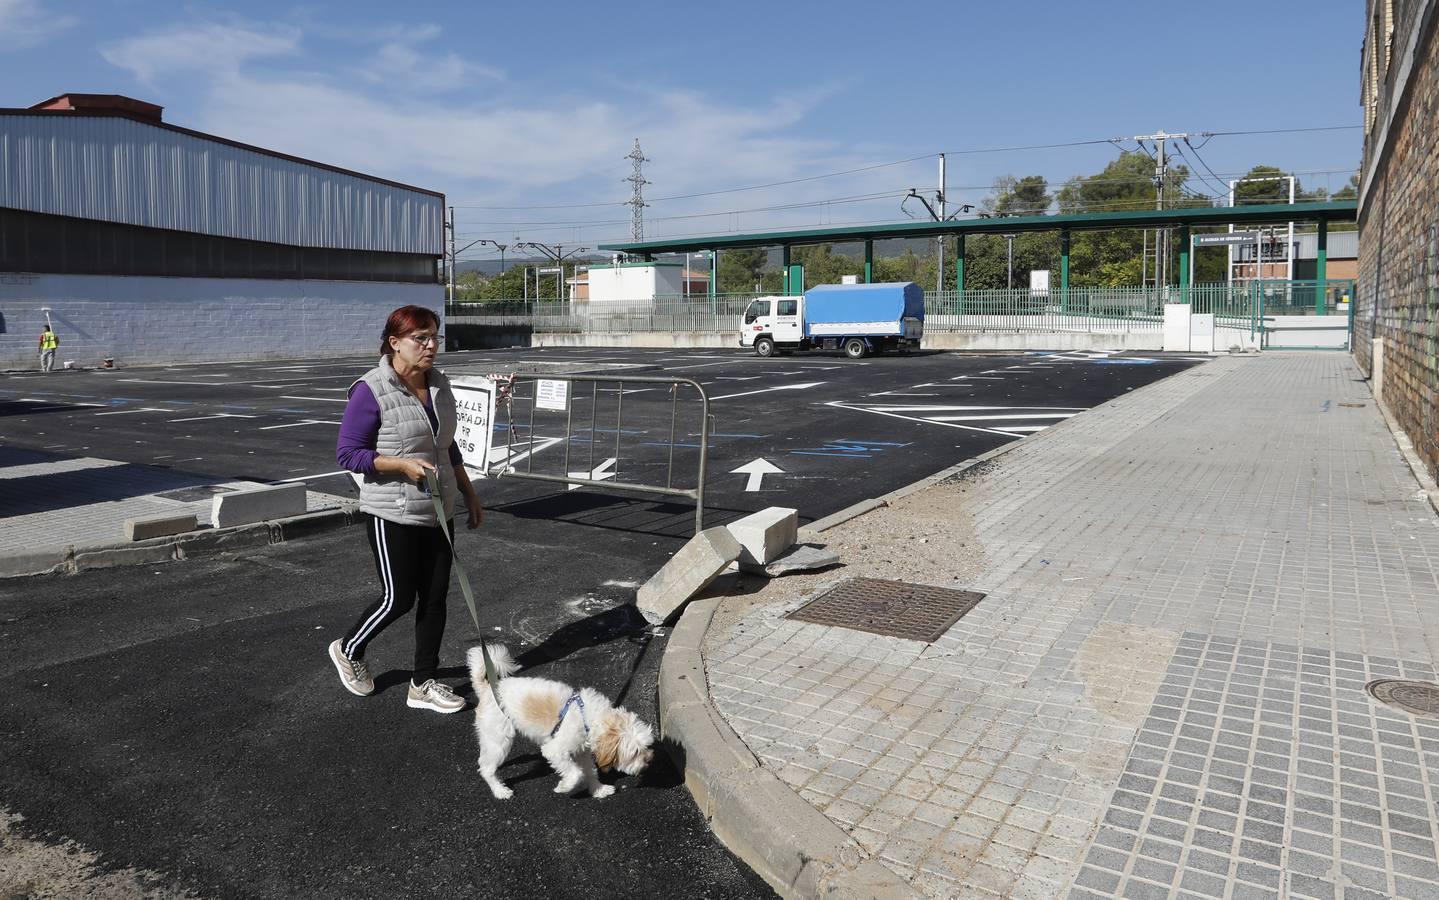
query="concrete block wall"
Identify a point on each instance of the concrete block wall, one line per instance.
(1398, 288)
(150, 321)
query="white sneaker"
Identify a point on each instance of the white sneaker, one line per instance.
(354, 674)
(434, 695)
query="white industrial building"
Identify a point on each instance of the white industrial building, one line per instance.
(142, 242)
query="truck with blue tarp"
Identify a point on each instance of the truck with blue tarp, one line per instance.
(859, 319)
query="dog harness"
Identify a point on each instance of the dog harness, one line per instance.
(574, 700)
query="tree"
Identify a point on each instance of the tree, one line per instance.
(738, 271)
(1027, 196)
(823, 266)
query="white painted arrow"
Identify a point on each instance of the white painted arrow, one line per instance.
(599, 474)
(783, 387)
(756, 471)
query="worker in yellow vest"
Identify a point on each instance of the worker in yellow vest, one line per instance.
(48, 343)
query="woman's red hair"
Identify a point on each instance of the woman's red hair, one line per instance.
(405, 320)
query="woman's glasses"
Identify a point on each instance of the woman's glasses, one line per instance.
(425, 340)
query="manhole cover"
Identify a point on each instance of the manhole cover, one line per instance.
(1419, 698)
(917, 612)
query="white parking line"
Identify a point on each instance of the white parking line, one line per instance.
(216, 416)
(321, 399)
(297, 424)
(312, 477)
(986, 418)
(842, 405)
(126, 412)
(700, 366)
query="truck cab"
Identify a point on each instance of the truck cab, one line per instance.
(770, 323)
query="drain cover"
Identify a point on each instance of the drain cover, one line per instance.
(1419, 698)
(917, 612)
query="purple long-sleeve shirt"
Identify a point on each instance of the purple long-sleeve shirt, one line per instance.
(360, 429)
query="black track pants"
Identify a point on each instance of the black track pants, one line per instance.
(413, 562)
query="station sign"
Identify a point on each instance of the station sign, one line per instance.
(1230, 239)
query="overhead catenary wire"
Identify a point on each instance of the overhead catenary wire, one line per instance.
(877, 196)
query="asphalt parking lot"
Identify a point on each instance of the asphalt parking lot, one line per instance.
(183, 720)
(836, 430)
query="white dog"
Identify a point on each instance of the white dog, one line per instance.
(577, 730)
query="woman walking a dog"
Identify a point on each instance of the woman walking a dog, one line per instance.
(398, 426)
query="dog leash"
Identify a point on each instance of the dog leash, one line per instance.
(491, 673)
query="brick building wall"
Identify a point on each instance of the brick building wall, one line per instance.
(150, 321)
(1398, 289)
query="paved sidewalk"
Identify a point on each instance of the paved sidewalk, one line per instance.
(1163, 692)
(51, 501)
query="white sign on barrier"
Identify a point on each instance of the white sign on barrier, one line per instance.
(552, 394)
(474, 418)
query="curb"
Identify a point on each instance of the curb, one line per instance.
(789, 843)
(1405, 446)
(759, 818)
(191, 545)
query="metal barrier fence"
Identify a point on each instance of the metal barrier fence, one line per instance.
(607, 474)
(1111, 310)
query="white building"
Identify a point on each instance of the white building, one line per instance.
(143, 242)
(635, 282)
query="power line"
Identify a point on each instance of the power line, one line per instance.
(1220, 181)
(1282, 130)
(757, 187)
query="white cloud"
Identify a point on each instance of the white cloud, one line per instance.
(394, 115)
(401, 60)
(24, 23)
(202, 49)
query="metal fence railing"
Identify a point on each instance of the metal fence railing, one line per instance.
(1120, 309)
(1112, 310)
(653, 424)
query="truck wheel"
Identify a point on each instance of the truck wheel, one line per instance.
(854, 348)
(763, 347)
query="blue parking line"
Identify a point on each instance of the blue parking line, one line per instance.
(838, 453)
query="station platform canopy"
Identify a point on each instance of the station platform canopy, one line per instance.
(1181, 218)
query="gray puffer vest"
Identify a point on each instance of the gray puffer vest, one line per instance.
(405, 433)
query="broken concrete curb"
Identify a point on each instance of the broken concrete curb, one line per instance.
(191, 545)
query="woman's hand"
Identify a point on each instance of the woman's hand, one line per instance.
(477, 512)
(412, 470)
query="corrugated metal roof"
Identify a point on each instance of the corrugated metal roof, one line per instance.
(117, 169)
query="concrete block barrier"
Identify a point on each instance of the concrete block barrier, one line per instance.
(696, 564)
(159, 526)
(275, 501)
(764, 535)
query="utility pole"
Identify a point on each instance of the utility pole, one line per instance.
(939, 279)
(637, 199)
(937, 214)
(1161, 141)
(450, 226)
(557, 255)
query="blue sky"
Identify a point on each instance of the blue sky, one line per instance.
(534, 108)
